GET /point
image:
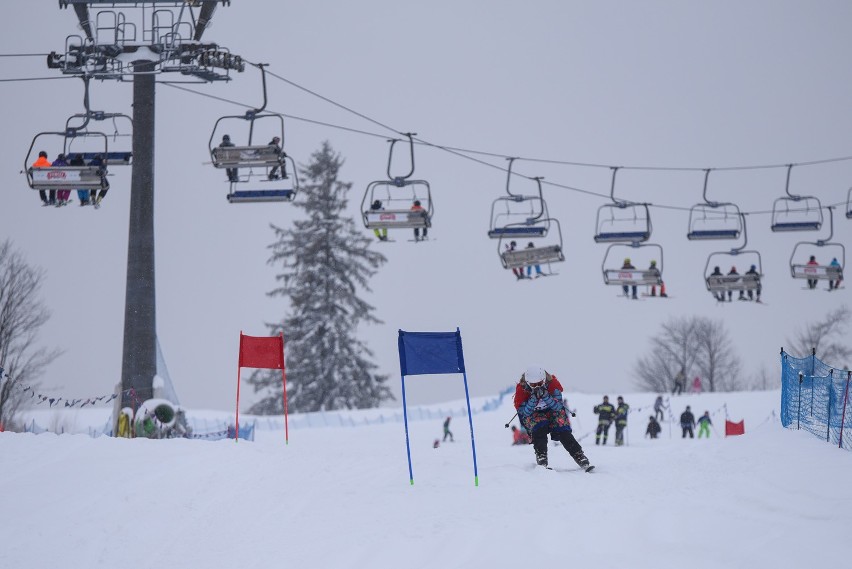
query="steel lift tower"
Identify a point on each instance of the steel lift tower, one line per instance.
(137, 41)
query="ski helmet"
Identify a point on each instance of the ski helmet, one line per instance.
(535, 374)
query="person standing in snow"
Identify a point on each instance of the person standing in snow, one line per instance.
(447, 431)
(658, 407)
(605, 412)
(621, 411)
(538, 400)
(704, 424)
(687, 423)
(653, 427)
(696, 385)
(680, 380)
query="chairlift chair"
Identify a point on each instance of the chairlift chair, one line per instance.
(67, 177)
(718, 284)
(796, 213)
(552, 252)
(713, 220)
(253, 154)
(622, 221)
(800, 269)
(614, 274)
(397, 195)
(250, 154)
(849, 204)
(115, 157)
(281, 194)
(518, 216)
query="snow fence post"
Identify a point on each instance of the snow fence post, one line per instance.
(845, 398)
(830, 393)
(799, 412)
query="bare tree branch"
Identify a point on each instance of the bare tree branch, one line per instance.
(22, 314)
(828, 337)
(695, 344)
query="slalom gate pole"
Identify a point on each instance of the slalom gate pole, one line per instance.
(470, 422)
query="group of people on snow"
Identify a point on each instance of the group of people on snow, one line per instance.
(539, 400)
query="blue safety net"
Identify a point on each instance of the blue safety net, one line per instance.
(818, 400)
(430, 353)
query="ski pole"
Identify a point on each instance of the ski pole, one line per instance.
(510, 420)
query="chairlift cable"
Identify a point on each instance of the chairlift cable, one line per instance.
(465, 153)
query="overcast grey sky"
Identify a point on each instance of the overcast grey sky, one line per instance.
(669, 84)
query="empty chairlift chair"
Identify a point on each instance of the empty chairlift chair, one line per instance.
(849, 204)
(622, 221)
(713, 220)
(796, 213)
(518, 216)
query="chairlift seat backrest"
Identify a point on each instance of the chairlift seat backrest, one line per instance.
(721, 283)
(396, 219)
(632, 277)
(709, 234)
(247, 156)
(796, 225)
(112, 158)
(532, 256)
(519, 231)
(67, 178)
(249, 196)
(622, 236)
(817, 272)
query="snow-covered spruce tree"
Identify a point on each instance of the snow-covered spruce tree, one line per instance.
(325, 262)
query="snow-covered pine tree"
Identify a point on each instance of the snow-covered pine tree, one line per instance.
(325, 262)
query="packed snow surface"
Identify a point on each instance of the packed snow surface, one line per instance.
(340, 497)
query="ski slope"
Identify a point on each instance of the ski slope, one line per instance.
(340, 497)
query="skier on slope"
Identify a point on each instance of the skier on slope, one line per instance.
(538, 400)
